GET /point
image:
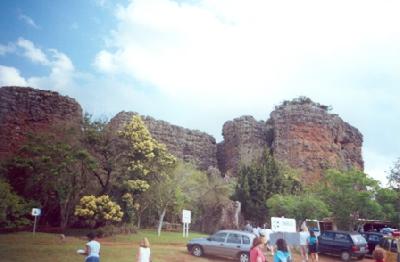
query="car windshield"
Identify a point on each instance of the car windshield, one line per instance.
(358, 239)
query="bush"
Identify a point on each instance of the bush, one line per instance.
(111, 230)
(13, 208)
(98, 211)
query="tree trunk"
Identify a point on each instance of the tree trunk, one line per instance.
(139, 221)
(161, 221)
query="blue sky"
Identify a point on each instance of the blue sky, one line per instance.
(199, 63)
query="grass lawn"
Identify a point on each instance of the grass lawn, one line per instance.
(43, 247)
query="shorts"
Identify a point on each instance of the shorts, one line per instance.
(92, 259)
(312, 249)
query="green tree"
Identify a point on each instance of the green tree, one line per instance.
(261, 180)
(299, 207)
(394, 175)
(388, 198)
(98, 211)
(350, 195)
(13, 208)
(52, 168)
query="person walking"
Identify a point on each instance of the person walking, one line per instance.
(92, 249)
(143, 254)
(282, 253)
(303, 243)
(256, 254)
(312, 243)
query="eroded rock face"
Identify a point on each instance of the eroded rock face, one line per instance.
(244, 141)
(24, 110)
(301, 133)
(308, 137)
(192, 146)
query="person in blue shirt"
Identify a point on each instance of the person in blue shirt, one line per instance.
(312, 243)
(282, 253)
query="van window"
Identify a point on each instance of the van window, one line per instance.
(343, 238)
(327, 236)
(358, 239)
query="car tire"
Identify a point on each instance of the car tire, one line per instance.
(244, 257)
(197, 251)
(345, 256)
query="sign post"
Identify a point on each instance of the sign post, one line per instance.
(186, 220)
(35, 212)
(283, 225)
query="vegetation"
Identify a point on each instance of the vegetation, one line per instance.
(98, 210)
(260, 181)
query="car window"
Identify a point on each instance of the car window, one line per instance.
(393, 247)
(374, 238)
(245, 240)
(327, 236)
(386, 243)
(234, 238)
(358, 239)
(219, 237)
(343, 238)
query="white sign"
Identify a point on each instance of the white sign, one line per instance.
(281, 224)
(186, 216)
(36, 212)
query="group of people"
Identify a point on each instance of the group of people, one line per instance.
(92, 250)
(308, 248)
(281, 253)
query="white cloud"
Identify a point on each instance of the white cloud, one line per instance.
(10, 76)
(235, 57)
(28, 20)
(32, 52)
(104, 62)
(5, 49)
(62, 71)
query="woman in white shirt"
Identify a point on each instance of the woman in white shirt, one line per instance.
(92, 249)
(143, 254)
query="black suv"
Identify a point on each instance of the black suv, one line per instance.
(373, 239)
(343, 243)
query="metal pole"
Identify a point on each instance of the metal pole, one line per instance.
(34, 226)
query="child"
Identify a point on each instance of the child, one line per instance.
(282, 253)
(143, 254)
(312, 243)
(92, 249)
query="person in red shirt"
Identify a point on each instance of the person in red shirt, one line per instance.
(256, 254)
(378, 255)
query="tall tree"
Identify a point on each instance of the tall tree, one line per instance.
(350, 195)
(52, 168)
(261, 180)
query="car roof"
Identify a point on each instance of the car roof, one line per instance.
(236, 231)
(343, 232)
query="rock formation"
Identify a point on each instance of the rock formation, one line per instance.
(192, 146)
(244, 141)
(301, 133)
(306, 136)
(24, 110)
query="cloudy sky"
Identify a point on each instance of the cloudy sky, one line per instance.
(199, 63)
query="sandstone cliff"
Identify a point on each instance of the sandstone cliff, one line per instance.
(192, 146)
(301, 133)
(306, 136)
(24, 110)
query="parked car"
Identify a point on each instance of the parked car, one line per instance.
(391, 246)
(344, 243)
(373, 239)
(227, 243)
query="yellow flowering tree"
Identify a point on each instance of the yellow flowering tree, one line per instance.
(98, 211)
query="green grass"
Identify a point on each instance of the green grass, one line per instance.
(43, 247)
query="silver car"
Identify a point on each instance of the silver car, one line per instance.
(227, 243)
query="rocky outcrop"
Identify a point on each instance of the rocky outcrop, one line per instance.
(306, 136)
(24, 110)
(189, 145)
(244, 141)
(301, 133)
